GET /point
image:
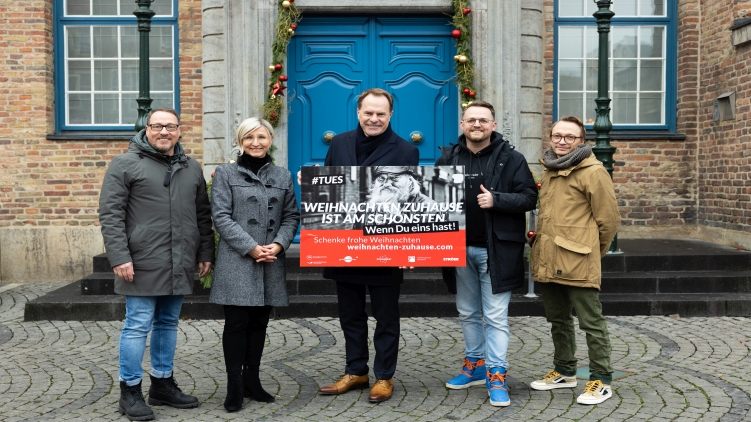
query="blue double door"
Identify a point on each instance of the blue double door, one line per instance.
(332, 59)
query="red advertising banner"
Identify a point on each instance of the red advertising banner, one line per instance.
(383, 216)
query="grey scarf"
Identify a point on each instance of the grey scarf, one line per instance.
(143, 144)
(553, 162)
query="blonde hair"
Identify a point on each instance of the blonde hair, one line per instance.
(249, 125)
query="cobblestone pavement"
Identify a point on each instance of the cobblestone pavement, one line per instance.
(683, 369)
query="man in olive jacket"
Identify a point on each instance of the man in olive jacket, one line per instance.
(156, 224)
(578, 220)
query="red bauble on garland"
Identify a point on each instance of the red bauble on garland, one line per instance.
(466, 91)
(283, 78)
(278, 66)
(472, 94)
(293, 26)
(466, 10)
(456, 33)
(531, 234)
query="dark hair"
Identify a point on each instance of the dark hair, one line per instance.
(166, 110)
(571, 119)
(481, 103)
(378, 92)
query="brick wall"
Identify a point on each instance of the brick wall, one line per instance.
(25, 108)
(57, 183)
(724, 153)
(655, 179)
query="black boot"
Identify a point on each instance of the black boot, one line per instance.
(252, 385)
(132, 404)
(166, 391)
(234, 400)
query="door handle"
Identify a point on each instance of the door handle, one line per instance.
(416, 137)
(328, 136)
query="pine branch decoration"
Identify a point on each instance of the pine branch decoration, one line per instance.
(288, 18)
(465, 72)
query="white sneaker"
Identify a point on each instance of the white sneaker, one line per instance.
(595, 393)
(553, 380)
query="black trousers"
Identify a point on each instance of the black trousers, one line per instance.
(244, 335)
(384, 301)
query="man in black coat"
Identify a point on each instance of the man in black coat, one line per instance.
(499, 190)
(373, 143)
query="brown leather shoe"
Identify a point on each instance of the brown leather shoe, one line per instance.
(346, 382)
(381, 390)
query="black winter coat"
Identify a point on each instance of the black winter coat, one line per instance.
(508, 177)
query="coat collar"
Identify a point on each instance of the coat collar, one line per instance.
(247, 172)
(379, 152)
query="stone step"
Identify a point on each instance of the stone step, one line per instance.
(639, 255)
(302, 284)
(67, 304)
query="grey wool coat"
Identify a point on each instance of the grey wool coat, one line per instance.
(252, 210)
(160, 224)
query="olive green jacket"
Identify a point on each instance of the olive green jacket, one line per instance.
(578, 219)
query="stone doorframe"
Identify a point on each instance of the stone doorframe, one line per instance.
(237, 38)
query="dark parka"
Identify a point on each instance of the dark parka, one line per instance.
(508, 178)
(159, 222)
(251, 210)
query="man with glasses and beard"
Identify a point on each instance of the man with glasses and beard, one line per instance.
(372, 143)
(500, 189)
(156, 223)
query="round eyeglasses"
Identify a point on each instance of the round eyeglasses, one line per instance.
(569, 139)
(383, 178)
(482, 122)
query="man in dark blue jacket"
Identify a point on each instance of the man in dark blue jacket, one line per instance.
(373, 143)
(499, 190)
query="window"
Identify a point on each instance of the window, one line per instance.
(96, 62)
(642, 57)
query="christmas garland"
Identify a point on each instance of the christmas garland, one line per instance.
(286, 24)
(465, 71)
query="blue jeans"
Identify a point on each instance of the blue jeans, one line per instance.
(141, 312)
(475, 298)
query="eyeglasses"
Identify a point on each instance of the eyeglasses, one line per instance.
(158, 128)
(482, 122)
(570, 139)
(383, 178)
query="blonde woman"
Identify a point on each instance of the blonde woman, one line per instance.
(256, 215)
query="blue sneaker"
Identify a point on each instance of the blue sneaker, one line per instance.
(473, 373)
(497, 387)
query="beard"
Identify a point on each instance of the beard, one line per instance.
(162, 149)
(387, 194)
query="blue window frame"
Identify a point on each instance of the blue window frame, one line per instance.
(642, 63)
(96, 62)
